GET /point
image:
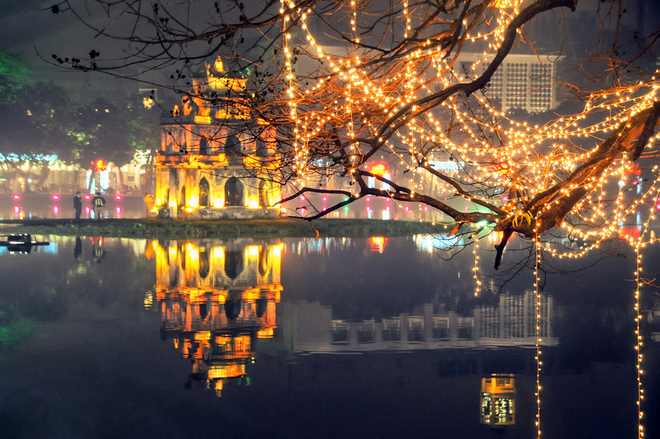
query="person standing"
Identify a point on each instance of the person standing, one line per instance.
(149, 201)
(98, 203)
(77, 205)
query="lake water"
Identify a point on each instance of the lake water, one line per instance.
(304, 338)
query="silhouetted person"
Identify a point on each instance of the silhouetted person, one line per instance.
(77, 205)
(98, 202)
(77, 250)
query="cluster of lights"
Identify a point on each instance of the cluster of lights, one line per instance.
(357, 94)
(490, 148)
(55, 208)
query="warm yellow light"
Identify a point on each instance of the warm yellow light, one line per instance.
(218, 253)
(253, 204)
(265, 333)
(203, 336)
(203, 119)
(253, 251)
(226, 371)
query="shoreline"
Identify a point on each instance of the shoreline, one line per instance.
(258, 228)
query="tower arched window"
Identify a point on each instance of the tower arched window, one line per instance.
(234, 192)
(204, 146)
(204, 189)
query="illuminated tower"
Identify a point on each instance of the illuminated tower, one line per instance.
(217, 160)
(216, 300)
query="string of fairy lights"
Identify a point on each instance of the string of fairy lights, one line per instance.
(499, 151)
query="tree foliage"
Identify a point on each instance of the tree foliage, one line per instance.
(36, 122)
(113, 131)
(14, 76)
(349, 83)
(39, 119)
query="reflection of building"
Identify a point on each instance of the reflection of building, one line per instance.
(216, 301)
(217, 160)
(498, 397)
(510, 323)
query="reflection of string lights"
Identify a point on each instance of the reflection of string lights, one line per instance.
(639, 341)
(537, 301)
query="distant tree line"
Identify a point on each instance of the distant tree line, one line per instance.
(40, 119)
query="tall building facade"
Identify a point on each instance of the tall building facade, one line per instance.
(524, 82)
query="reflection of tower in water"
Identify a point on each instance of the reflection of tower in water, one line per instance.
(216, 300)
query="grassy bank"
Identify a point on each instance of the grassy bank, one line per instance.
(156, 228)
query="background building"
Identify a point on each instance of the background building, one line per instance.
(524, 82)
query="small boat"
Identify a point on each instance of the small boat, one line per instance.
(20, 243)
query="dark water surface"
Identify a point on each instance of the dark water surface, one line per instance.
(300, 338)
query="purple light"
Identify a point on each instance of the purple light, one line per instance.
(118, 197)
(56, 210)
(87, 197)
(16, 197)
(55, 197)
